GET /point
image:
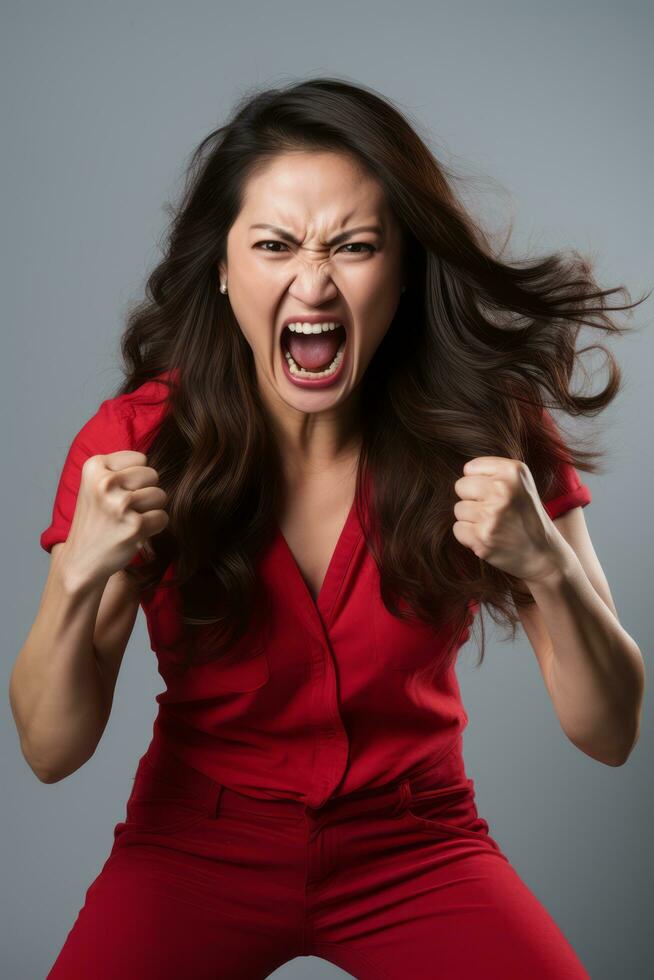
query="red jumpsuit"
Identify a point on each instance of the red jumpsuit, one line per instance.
(311, 801)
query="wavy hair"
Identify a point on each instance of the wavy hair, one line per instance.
(479, 347)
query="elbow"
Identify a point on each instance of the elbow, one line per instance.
(46, 777)
(617, 760)
(614, 755)
(614, 760)
(621, 757)
(46, 769)
(632, 733)
(49, 776)
(617, 737)
(43, 774)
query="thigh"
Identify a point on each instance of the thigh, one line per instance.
(469, 916)
(434, 904)
(454, 913)
(143, 916)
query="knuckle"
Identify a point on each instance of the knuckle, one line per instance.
(92, 464)
(504, 490)
(486, 537)
(103, 482)
(133, 521)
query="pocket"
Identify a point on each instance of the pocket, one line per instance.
(158, 804)
(448, 811)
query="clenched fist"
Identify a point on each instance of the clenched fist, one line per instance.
(118, 507)
(501, 518)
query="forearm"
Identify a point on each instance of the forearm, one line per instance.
(597, 675)
(56, 692)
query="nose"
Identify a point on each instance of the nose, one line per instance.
(313, 286)
(313, 291)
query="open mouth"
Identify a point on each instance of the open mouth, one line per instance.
(313, 355)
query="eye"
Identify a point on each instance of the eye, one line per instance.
(273, 241)
(367, 245)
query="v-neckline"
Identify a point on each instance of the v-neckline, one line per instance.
(336, 567)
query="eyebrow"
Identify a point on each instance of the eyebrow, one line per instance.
(335, 241)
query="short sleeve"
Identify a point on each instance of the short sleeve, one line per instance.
(568, 491)
(105, 432)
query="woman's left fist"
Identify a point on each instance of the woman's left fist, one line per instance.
(501, 518)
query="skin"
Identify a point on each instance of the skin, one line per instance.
(592, 668)
(314, 196)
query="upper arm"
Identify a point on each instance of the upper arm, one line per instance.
(113, 626)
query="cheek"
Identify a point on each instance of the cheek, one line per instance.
(377, 300)
(254, 315)
(253, 337)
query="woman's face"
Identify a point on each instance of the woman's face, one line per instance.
(313, 197)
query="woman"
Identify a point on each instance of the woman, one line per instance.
(331, 447)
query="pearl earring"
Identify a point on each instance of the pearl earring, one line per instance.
(223, 287)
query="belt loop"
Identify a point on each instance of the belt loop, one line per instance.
(403, 797)
(214, 802)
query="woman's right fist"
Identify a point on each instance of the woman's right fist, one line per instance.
(119, 506)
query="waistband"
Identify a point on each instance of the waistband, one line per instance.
(447, 772)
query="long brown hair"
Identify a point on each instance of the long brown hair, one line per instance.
(478, 347)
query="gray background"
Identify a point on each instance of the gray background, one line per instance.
(548, 107)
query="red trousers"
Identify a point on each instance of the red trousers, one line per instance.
(208, 884)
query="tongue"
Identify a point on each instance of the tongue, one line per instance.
(314, 351)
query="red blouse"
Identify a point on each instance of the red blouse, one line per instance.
(330, 700)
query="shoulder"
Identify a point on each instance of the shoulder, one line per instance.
(127, 421)
(150, 398)
(132, 417)
(566, 489)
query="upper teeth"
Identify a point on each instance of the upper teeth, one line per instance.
(300, 327)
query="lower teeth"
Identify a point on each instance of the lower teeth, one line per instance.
(303, 373)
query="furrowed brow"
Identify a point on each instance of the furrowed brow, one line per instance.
(286, 235)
